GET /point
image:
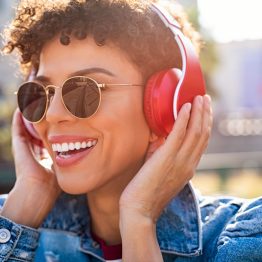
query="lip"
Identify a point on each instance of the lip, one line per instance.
(68, 138)
(72, 160)
(75, 158)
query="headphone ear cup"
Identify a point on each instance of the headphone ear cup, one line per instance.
(158, 101)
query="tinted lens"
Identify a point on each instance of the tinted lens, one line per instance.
(81, 96)
(32, 101)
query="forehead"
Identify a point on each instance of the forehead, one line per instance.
(57, 60)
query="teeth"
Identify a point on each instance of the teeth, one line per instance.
(77, 145)
(58, 147)
(71, 146)
(65, 147)
(54, 147)
(84, 144)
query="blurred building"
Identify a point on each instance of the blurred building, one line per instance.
(238, 78)
(237, 133)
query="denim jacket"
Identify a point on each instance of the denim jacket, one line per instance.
(191, 228)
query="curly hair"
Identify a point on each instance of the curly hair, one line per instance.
(131, 25)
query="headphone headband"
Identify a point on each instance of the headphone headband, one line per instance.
(167, 19)
(191, 79)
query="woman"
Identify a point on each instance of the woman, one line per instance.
(116, 190)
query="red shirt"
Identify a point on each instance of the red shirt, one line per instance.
(109, 252)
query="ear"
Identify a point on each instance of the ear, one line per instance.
(154, 143)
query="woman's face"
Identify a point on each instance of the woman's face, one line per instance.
(118, 128)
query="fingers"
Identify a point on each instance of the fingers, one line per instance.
(198, 130)
(18, 128)
(163, 157)
(194, 127)
(207, 122)
(18, 132)
(21, 140)
(189, 137)
(177, 135)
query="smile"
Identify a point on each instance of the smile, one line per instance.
(70, 153)
(66, 147)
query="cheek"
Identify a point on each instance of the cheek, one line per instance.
(124, 126)
(42, 131)
(123, 112)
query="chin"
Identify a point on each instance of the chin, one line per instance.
(75, 185)
(73, 191)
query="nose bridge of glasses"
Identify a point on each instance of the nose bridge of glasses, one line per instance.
(51, 87)
(50, 92)
(101, 86)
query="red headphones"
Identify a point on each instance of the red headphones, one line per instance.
(168, 90)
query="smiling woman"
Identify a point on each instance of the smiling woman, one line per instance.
(117, 97)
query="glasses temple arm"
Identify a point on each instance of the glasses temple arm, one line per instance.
(105, 85)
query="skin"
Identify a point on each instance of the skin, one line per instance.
(127, 159)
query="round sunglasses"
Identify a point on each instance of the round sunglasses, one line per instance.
(81, 96)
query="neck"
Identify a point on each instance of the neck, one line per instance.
(103, 205)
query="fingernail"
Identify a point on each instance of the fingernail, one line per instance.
(200, 100)
(208, 99)
(188, 107)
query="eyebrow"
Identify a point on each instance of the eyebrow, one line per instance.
(82, 72)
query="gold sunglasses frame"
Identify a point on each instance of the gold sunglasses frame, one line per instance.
(47, 88)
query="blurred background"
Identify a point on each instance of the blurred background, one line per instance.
(232, 62)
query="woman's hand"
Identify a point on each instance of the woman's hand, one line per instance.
(163, 176)
(36, 187)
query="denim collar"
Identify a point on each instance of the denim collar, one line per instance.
(178, 228)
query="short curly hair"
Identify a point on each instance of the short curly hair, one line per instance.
(129, 24)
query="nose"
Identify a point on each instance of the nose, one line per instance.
(56, 111)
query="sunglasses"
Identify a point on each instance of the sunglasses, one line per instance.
(81, 96)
